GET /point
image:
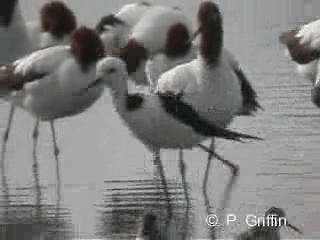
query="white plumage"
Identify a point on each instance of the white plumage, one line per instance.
(132, 13)
(51, 96)
(115, 29)
(310, 33)
(155, 38)
(162, 63)
(214, 91)
(43, 82)
(161, 120)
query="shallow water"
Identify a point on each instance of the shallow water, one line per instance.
(96, 192)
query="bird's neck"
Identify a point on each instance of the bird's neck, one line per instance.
(211, 43)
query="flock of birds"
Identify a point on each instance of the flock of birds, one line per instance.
(54, 68)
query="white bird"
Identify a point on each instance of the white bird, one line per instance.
(160, 121)
(54, 27)
(269, 227)
(150, 36)
(42, 83)
(168, 44)
(219, 88)
(114, 29)
(213, 82)
(303, 46)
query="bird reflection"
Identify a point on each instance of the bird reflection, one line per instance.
(24, 220)
(212, 231)
(137, 209)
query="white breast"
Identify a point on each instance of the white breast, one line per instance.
(154, 127)
(53, 96)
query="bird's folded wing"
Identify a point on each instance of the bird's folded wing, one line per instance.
(177, 80)
(32, 67)
(250, 102)
(250, 98)
(184, 113)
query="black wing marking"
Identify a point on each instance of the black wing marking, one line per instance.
(144, 3)
(110, 20)
(133, 101)
(300, 53)
(185, 114)
(250, 102)
(10, 81)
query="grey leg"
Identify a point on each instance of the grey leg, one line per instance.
(206, 175)
(226, 197)
(234, 168)
(35, 136)
(7, 132)
(182, 168)
(157, 161)
(58, 174)
(54, 139)
(35, 168)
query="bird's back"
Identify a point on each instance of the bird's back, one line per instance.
(213, 91)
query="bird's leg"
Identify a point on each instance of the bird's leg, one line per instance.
(206, 174)
(212, 230)
(182, 168)
(54, 139)
(7, 132)
(35, 168)
(35, 136)
(226, 197)
(58, 174)
(157, 161)
(234, 167)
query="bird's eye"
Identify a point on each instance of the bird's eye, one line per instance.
(111, 70)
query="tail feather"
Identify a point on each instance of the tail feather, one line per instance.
(250, 101)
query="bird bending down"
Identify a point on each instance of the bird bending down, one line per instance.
(114, 29)
(42, 83)
(303, 46)
(160, 120)
(269, 227)
(149, 36)
(54, 27)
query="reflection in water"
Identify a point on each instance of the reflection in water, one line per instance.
(129, 204)
(224, 200)
(23, 220)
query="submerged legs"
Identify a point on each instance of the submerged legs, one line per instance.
(182, 168)
(157, 161)
(7, 132)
